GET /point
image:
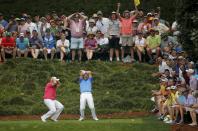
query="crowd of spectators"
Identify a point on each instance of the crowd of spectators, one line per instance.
(177, 99)
(124, 34)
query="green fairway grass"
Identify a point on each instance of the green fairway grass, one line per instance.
(134, 124)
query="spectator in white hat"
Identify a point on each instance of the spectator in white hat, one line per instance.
(91, 28)
(22, 44)
(102, 23)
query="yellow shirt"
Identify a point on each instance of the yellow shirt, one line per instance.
(153, 41)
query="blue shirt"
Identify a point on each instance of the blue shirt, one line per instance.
(4, 23)
(49, 42)
(22, 44)
(86, 85)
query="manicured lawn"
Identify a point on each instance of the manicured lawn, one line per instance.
(134, 124)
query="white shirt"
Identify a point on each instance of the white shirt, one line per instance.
(91, 29)
(161, 28)
(102, 41)
(31, 27)
(140, 42)
(164, 66)
(61, 43)
(103, 25)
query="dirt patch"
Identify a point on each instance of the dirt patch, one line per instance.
(75, 116)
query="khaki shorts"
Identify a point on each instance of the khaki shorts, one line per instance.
(127, 41)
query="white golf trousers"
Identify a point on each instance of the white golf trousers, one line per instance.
(55, 109)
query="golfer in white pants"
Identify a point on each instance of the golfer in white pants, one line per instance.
(86, 95)
(55, 107)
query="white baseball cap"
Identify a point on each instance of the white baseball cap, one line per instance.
(54, 78)
(21, 35)
(190, 71)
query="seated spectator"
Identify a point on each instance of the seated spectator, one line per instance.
(190, 101)
(49, 44)
(62, 46)
(8, 46)
(36, 45)
(90, 46)
(140, 44)
(194, 110)
(171, 100)
(22, 44)
(153, 45)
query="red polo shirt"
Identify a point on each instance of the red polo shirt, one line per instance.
(50, 92)
(8, 42)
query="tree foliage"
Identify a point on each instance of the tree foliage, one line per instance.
(187, 17)
(88, 6)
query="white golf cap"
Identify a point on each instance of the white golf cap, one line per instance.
(91, 21)
(190, 71)
(173, 87)
(54, 79)
(21, 35)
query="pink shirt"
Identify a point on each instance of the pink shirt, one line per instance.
(77, 28)
(126, 26)
(50, 92)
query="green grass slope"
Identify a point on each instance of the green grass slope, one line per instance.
(116, 88)
(135, 124)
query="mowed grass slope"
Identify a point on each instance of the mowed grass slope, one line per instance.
(116, 88)
(135, 124)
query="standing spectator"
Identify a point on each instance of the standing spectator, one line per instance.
(22, 44)
(38, 25)
(8, 46)
(90, 45)
(160, 27)
(86, 80)
(126, 31)
(114, 36)
(153, 44)
(102, 23)
(77, 27)
(44, 25)
(31, 25)
(53, 28)
(49, 44)
(102, 42)
(144, 26)
(63, 46)
(140, 44)
(91, 28)
(12, 26)
(36, 44)
(3, 22)
(23, 27)
(54, 106)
